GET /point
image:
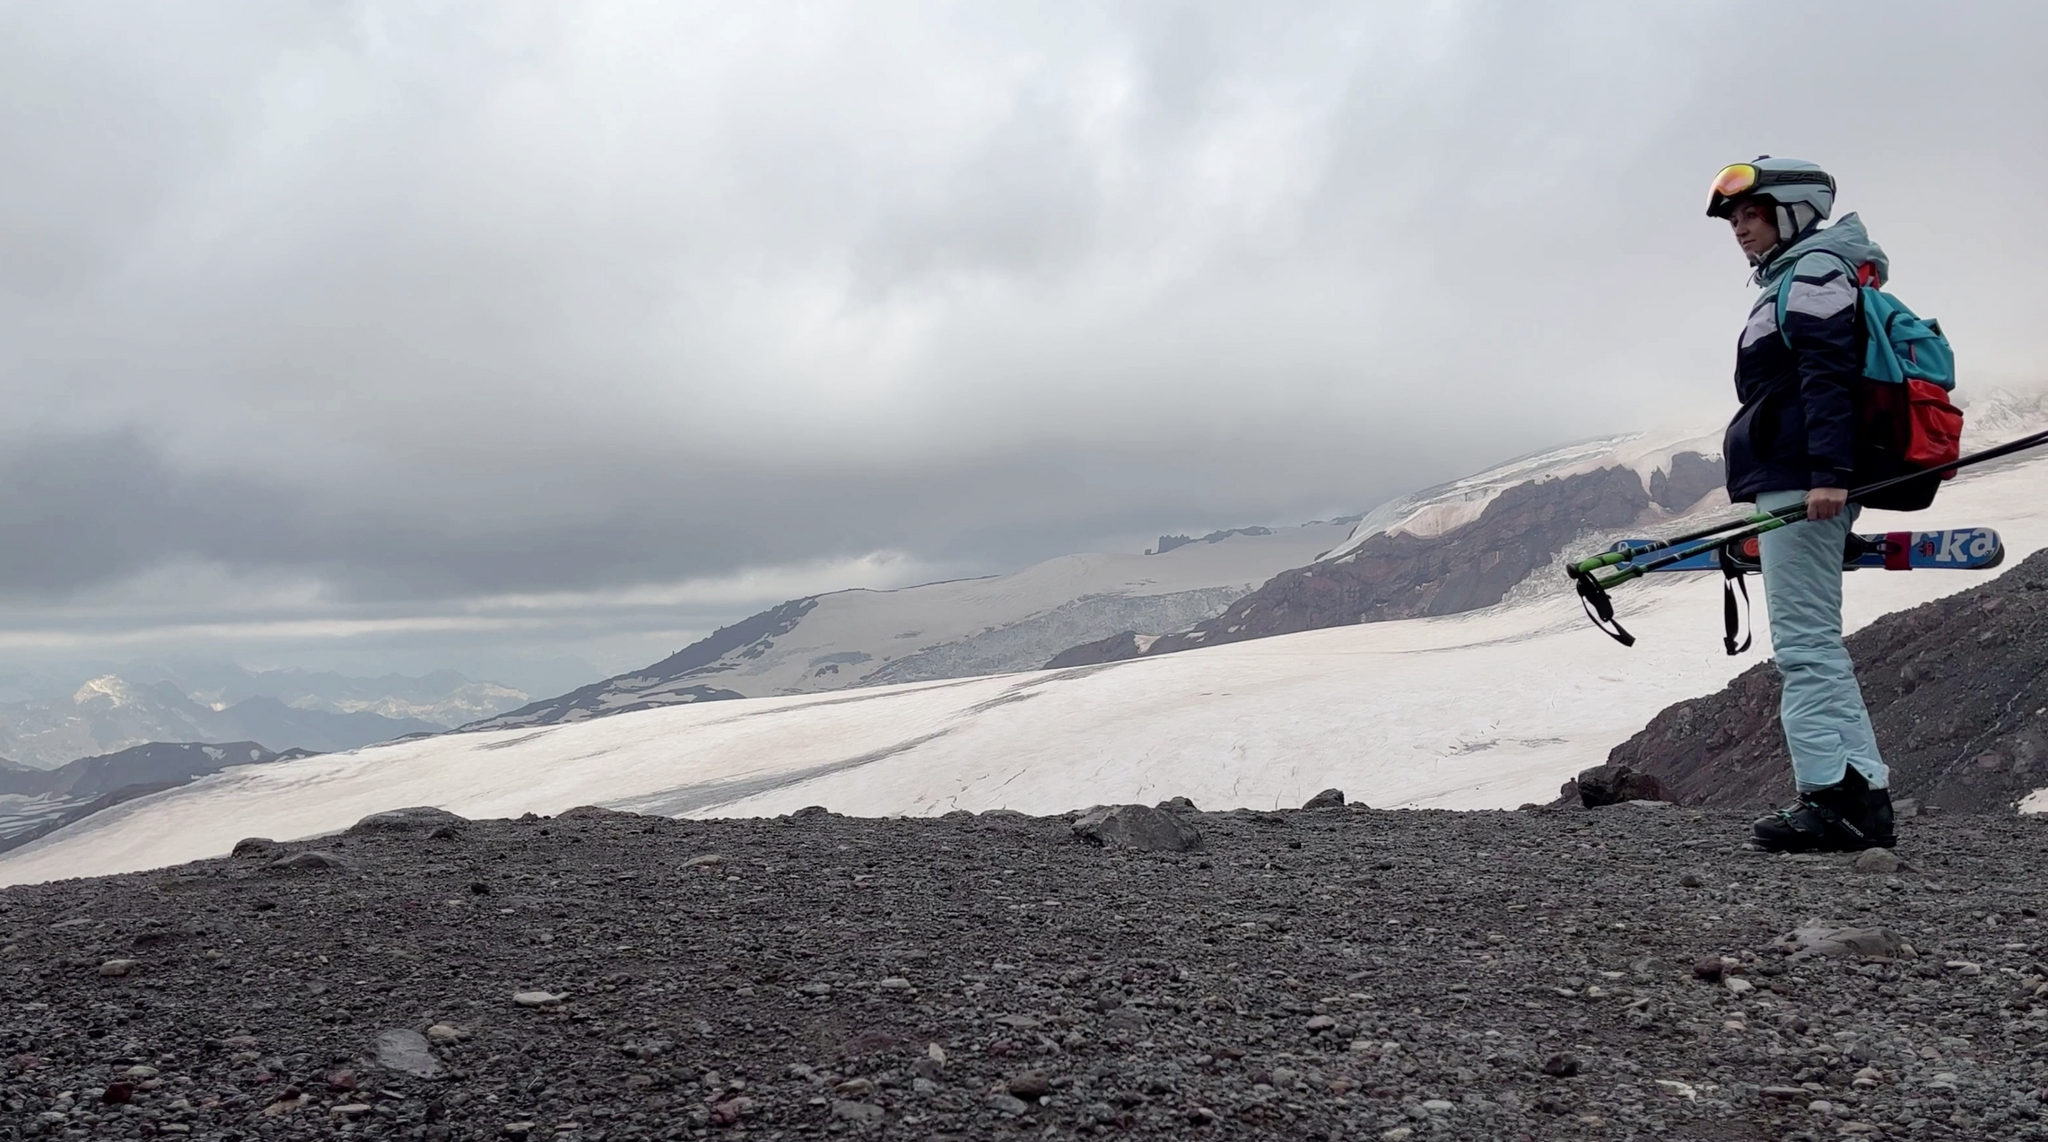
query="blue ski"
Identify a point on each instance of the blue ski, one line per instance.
(1957, 549)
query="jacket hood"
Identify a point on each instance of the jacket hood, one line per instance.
(1846, 238)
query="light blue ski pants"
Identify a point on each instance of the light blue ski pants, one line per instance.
(1826, 725)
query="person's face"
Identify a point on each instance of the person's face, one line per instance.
(1755, 225)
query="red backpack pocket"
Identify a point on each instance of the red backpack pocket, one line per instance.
(1934, 427)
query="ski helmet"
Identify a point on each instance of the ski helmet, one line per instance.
(1802, 192)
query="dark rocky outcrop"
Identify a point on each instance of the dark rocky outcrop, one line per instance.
(1170, 542)
(412, 819)
(1957, 690)
(1327, 799)
(1615, 785)
(1690, 477)
(1137, 827)
(1115, 648)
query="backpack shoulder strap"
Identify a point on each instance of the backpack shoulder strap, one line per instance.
(1785, 287)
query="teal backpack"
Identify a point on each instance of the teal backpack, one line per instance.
(1904, 421)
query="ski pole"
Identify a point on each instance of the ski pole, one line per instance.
(1612, 557)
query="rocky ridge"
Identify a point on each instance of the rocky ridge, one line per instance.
(1399, 575)
(1957, 690)
(1622, 973)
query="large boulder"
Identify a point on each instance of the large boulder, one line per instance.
(1616, 785)
(417, 818)
(1137, 827)
(1327, 799)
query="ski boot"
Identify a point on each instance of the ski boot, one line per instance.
(1848, 816)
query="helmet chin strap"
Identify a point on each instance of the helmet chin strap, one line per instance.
(1793, 221)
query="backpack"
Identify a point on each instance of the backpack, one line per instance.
(1904, 421)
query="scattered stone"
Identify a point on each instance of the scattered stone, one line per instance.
(1691, 880)
(343, 1079)
(117, 968)
(1737, 985)
(1007, 1104)
(1030, 1085)
(444, 1034)
(312, 860)
(1137, 827)
(729, 1111)
(593, 812)
(1561, 1065)
(518, 1129)
(1327, 799)
(350, 1110)
(1711, 969)
(407, 1052)
(1877, 862)
(894, 983)
(1617, 784)
(253, 847)
(705, 860)
(1178, 805)
(537, 998)
(117, 1093)
(1838, 940)
(851, 1111)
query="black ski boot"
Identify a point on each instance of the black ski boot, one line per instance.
(1848, 816)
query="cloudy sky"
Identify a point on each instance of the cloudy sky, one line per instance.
(457, 333)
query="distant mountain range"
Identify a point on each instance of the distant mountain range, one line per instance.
(36, 802)
(445, 697)
(108, 714)
(955, 629)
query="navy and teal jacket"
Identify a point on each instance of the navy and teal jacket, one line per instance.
(1796, 427)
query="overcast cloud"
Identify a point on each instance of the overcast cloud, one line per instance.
(435, 331)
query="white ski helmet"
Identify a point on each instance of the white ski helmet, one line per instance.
(1802, 192)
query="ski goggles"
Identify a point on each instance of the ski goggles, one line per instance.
(1738, 179)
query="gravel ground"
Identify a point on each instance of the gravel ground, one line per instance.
(1327, 974)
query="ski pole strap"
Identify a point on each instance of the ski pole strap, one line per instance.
(1598, 607)
(1733, 580)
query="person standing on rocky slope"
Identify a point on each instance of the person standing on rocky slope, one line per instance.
(1792, 441)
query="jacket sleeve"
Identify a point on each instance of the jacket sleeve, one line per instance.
(1821, 328)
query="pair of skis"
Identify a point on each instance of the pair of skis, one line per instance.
(1730, 546)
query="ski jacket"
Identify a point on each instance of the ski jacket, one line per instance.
(1796, 427)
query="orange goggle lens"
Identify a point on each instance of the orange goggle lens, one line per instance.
(1733, 180)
